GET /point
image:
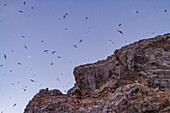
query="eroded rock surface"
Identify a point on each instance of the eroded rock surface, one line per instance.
(136, 78)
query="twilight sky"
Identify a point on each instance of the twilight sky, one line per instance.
(45, 23)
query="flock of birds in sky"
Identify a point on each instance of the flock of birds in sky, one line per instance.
(53, 52)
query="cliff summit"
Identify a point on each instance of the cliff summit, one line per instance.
(136, 78)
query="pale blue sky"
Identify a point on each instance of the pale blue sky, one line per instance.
(45, 22)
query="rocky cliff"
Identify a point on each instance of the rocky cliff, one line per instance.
(136, 78)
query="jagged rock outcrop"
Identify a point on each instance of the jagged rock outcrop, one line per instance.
(136, 78)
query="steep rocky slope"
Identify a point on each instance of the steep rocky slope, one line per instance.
(136, 78)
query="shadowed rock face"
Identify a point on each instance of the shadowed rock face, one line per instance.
(136, 78)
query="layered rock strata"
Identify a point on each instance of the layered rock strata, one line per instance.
(136, 78)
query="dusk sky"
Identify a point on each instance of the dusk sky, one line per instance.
(42, 20)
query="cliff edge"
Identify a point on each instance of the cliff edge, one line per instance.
(136, 78)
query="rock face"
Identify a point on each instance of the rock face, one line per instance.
(136, 78)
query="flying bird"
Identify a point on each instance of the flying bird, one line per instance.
(45, 51)
(86, 18)
(21, 11)
(137, 12)
(24, 2)
(51, 63)
(42, 41)
(53, 52)
(23, 36)
(66, 13)
(59, 56)
(14, 105)
(120, 31)
(58, 79)
(5, 56)
(25, 47)
(5, 4)
(111, 41)
(32, 7)
(32, 80)
(165, 10)
(1, 65)
(64, 16)
(19, 63)
(12, 50)
(120, 24)
(75, 46)
(80, 41)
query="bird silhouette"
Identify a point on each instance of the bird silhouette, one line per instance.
(14, 105)
(32, 80)
(24, 2)
(111, 41)
(51, 63)
(1, 65)
(80, 41)
(120, 31)
(59, 57)
(64, 17)
(120, 24)
(53, 52)
(21, 11)
(25, 47)
(66, 13)
(45, 51)
(5, 4)
(19, 63)
(75, 46)
(137, 12)
(32, 7)
(23, 36)
(58, 79)
(165, 10)
(86, 18)
(5, 56)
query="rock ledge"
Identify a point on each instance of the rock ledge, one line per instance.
(136, 78)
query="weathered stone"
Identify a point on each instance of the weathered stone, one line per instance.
(136, 78)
